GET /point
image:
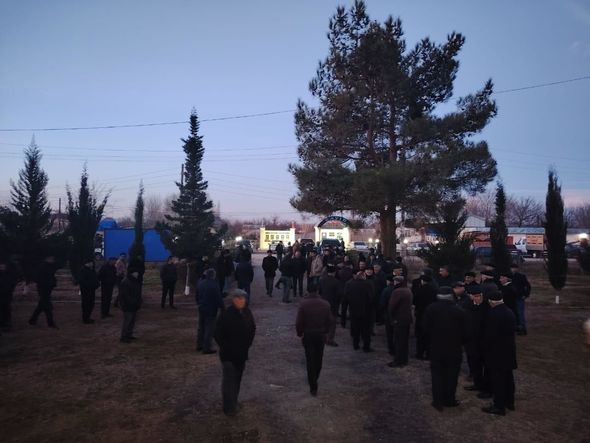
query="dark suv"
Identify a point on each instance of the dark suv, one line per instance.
(329, 242)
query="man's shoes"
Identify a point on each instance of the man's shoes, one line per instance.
(332, 343)
(172, 307)
(88, 322)
(484, 395)
(511, 407)
(356, 347)
(125, 340)
(437, 406)
(52, 326)
(163, 306)
(368, 349)
(491, 409)
(471, 388)
(313, 391)
(453, 404)
(420, 357)
(107, 315)
(32, 322)
(132, 338)
(210, 351)
(199, 348)
(343, 325)
(393, 364)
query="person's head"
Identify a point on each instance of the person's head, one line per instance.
(89, 263)
(313, 253)
(269, 252)
(444, 271)
(377, 267)
(112, 260)
(369, 271)
(486, 275)
(331, 269)
(397, 270)
(239, 298)
(398, 281)
(399, 259)
(122, 256)
(444, 293)
(469, 277)
(475, 294)
(459, 289)
(171, 259)
(495, 298)
(505, 278)
(362, 265)
(209, 274)
(298, 254)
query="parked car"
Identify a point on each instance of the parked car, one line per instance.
(415, 247)
(358, 246)
(573, 249)
(483, 254)
(329, 243)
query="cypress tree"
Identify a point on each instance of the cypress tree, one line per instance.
(555, 233)
(499, 233)
(137, 248)
(189, 231)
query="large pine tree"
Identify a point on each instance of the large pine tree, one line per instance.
(32, 215)
(188, 232)
(499, 233)
(376, 143)
(556, 234)
(84, 215)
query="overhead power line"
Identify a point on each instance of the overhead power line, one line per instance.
(543, 85)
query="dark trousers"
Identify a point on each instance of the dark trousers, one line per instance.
(343, 312)
(298, 285)
(401, 338)
(88, 298)
(476, 366)
(44, 305)
(360, 328)
(334, 310)
(314, 354)
(389, 335)
(502, 387)
(6, 312)
(270, 284)
(168, 291)
(445, 372)
(106, 295)
(205, 331)
(230, 384)
(246, 287)
(422, 339)
(128, 324)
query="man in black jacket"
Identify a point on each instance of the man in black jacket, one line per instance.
(286, 279)
(299, 268)
(45, 283)
(209, 301)
(130, 301)
(500, 354)
(424, 293)
(331, 291)
(88, 281)
(476, 311)
(107, 276)
(269, 265)
(234, 334)
(357, 292)
(444, 322)
(168, 277)
(523, 291)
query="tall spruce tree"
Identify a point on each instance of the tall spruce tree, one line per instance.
(189, 231)
(556, 234)
(137, 248)
(84, 215)
(375, 144)
(31, 219)
(499, 233)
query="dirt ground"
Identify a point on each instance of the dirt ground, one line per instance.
(80, 384)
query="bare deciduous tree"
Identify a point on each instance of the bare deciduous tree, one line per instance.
(482, 205)
(524, 211)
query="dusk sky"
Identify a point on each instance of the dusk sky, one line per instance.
(80, 63)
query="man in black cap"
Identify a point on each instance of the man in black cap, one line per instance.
(424, 293)
(469, 280)
(444, 322)
(444, 277)
(400, 316)
(314, 322)
(234, 334)
(476, 311)
(88, 281)
(357, 292)
(331, 291)
(459, 293)
(270, 264)
(488, 285)
(523, 291)
(500, 354)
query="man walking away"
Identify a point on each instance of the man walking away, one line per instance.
(523, 291)
(286, 280)
(299, 268)
(357, 292)
(500, 354)
(444, 322)
(107, 276)
(383, 305)
(244, 275)
(269, 265)
(330, 290)
(209, 301)
(45, 283)
(280, 250)
(88, 281)
(130, 301)
(234, 334)
(168, 276)
(424, 293)
(400, 316)
(314, 322)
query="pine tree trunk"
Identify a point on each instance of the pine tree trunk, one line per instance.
(388, 235)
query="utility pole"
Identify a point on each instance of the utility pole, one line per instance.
(59, 215)
(182, 175)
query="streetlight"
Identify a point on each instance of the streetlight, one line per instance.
(370, 240)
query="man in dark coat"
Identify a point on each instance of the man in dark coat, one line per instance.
(280, 250)
(344, 274)
(488, 285)
(444, 322)
(286, 279)
(210, 301)
(8, 281)
(314, 322)
(380, 282)
(244, 274)
(88, 281)
(130, 301)
(331, 291)
(459, 293)
(424, 293)
(270, 264)
(45, 283)
(469, 280)
(444, 277)
(234, 334)
(500, 354)
(299, 268)
(476, 311)
(384, 304)
(400, 316)
(523, 291)
(168, 277)
(107, 276)
(508, 292)
(357, 292)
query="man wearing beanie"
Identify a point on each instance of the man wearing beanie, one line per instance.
(500, 354)
(400, 316)
(314, 322)
(444, 322)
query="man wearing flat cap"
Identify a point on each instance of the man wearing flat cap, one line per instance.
(444, 322)
(500, 354)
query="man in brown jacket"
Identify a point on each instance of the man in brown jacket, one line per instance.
(314, 321)
(400, 316)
